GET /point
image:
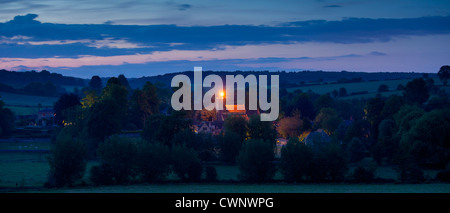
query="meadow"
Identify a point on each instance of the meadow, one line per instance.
(26, 104)
(27, 172)
(370, 86)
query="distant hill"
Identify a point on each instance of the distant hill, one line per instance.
(21, 79)
(291, 79)
(287, 79)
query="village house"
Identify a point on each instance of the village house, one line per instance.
(45, 117)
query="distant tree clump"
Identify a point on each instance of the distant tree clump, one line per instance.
(342, 92)
(40, 89)
(324, 101)
(383, 88)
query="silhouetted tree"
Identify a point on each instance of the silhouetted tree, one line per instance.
(67, 161)
(392, 105)
(124, 82)
(231, 144)
(143, 103)
(328, 120)
(237, 124)
(383, 88)
(163, 128)
(416, 91)
(290, 126)
(255, 161)
(6, 121)
(428, 141)
(342, 92)
(296, 159)
(324, 101)
(96, 84)
(373, 111)
(186, 164)
(153, 161)
(65, 102)
(120, 155)
(105, 119)
(444, 74)
(264, 130)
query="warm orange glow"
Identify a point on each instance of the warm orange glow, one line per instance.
(222, 94)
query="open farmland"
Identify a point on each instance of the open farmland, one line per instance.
(370, 86)
(26, 104)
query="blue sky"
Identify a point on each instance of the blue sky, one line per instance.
(144, 38)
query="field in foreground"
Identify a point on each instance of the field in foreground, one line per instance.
(262, 188)
(27, 172)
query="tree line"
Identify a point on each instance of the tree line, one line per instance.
(326, 135)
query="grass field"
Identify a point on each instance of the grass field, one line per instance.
(26, 104)
(263, 188)
(30, 170)
(370, 86)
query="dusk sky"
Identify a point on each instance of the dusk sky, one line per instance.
(145, 38)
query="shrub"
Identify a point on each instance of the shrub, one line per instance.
(329, 164)
(211, 173)
(363, 174)
(67, 161)
(444, 176)
(153, 161)
(356, 150)
(231, 145)
(255, 161)
(186, 164)
(119, 154)
(296, 158)
(101, 175)
(410, 173)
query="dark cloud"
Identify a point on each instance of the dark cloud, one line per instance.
(183, 7)
(26, 19)
(161, 37)
(376, 53)
(332, 6)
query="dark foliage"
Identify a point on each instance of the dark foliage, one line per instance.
(211, 174)
(153, 161)
(296, 159)
(255, 161)
(65, 102)
(186, 164)
(120, 155)
(67, 161)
